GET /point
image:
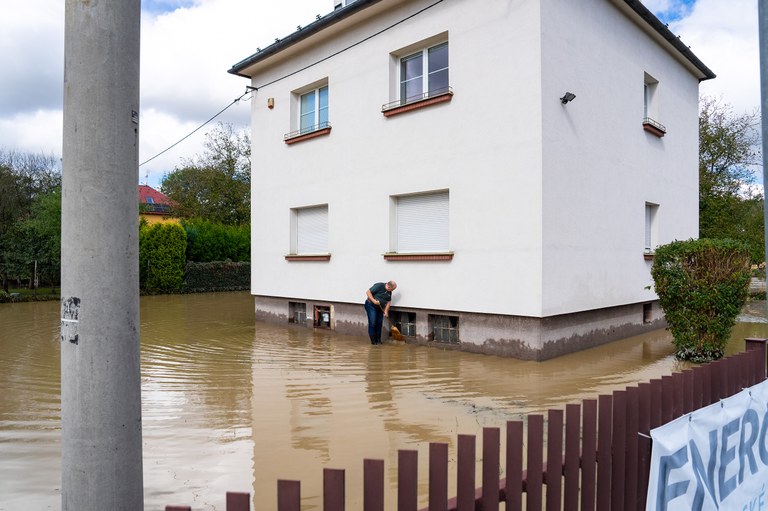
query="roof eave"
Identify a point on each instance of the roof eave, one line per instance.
(329, 19)
(671, 38)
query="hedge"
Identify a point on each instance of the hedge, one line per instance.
(217, 276)
(209, 241)
(162, 258)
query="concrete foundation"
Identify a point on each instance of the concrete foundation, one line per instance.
(519, 337)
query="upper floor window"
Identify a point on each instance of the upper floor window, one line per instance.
(309, 112)
(313, 114)
(651, 227)
(424, 73)
(651, 107)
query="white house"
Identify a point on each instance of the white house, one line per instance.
(511, 164)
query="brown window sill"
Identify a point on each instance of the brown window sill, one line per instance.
(654, 128)
(306, 136)
(308, 257)
(442, 256)
(442, 98)
(648, 256)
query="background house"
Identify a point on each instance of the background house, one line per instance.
(511, 165)
(154, 206)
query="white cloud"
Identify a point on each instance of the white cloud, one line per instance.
(724, 35)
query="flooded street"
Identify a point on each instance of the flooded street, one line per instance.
(234, 405)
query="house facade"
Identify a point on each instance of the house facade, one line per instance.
(511, 165)
(154, 206)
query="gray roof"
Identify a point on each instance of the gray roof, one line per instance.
(344, 12)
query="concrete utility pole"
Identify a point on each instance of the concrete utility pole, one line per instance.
(762, 15)
(101, 445)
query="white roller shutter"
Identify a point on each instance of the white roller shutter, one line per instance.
(422, 223)
(312, 230)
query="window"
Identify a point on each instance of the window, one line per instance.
(309, 230)
(297, 312)
(313, 114)
(445, 328)
(150, 200)
(405, 322)
(322, 316)
(647, 313)
(651, 227)
(309, 112)
(420, 223)
(651, 107)
(424, 74)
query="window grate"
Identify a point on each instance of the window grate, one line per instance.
(297, 312)
(445, 328)
(406, 323)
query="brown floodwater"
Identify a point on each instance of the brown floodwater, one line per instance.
(230, 404)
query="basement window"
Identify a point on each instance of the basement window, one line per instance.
(647, 313)
(405, 322)
(322, 316)
(444, 328)
(297, 313)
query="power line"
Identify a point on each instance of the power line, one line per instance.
(236, 100)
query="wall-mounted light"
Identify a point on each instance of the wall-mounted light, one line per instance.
(567, 97)
(270, 103)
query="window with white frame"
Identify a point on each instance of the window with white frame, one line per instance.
(651, 227)
(424, 73)
(313, 110)
(651, 107)
(309, 230)
(420, 223)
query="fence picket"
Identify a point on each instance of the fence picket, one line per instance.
(491, 445)
(572, 438)
(632, 442)
(465, 473)
(407, 479)
(513, 486)
(333, 489)
(535, 475)
(373, 485)
(589, 454)
(554, 459)
(604, 421)
(288, 495)
(619, 449)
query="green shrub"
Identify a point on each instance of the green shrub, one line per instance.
(702, 286)
(208, 241)
(162, 256)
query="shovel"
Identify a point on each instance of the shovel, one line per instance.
(393, 330)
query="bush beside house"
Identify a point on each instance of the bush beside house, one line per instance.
(702, 286)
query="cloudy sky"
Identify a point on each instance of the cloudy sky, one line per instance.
(188, 45)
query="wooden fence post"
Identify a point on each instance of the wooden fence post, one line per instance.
(373, 485)
(572, 455)
(535, 479)
(465, 473)
(407, 480)
(333, 489)
(288, 495)
(554, 459)
(438, 476)
(491, 446)
(589, 454)
(514, 483)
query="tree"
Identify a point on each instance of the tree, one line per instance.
(729, 203)
(24, 178)
(216, 185)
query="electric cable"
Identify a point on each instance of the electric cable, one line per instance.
(197, 129)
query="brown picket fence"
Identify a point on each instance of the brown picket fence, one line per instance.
(597, 452)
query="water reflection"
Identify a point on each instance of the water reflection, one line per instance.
(229, 404)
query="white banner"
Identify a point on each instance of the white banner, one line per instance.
(713, 458)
